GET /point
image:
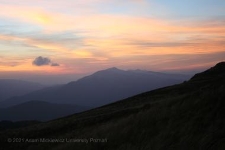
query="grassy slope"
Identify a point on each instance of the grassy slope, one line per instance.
(185, 116)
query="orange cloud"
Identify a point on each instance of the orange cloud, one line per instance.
(36, 43)
(19, 65)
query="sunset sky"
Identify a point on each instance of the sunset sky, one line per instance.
(67, 39)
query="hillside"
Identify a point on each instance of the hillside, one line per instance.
(39, 110)
(10, 88)
(186, 116)
(100, 88)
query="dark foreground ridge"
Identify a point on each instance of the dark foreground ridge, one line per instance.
(186, 116)
(217, 71)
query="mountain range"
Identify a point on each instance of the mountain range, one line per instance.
(185, 116)
(100, 88)
(11, 87)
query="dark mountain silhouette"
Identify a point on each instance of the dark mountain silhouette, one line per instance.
(101, 88)
(38, 110)
(185, 116)
(10, 88)
(217, 71)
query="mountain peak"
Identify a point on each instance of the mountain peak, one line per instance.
(113, 69)
(109, 70)
(218, 67)
(217, 70)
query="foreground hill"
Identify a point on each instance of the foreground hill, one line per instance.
(10, 88)
(38, 110)
(187, 116)
(101, 88)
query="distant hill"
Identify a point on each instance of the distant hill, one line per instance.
(101, 88)
(10, 88)
(38, 110)
(186, 116)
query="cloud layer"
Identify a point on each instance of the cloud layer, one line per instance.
(103, 33)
